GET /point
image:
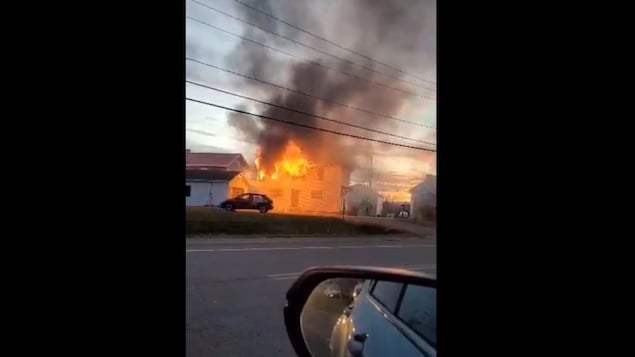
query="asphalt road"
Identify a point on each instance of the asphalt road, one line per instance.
(235, 287)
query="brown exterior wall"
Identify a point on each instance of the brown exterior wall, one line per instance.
(314, 193)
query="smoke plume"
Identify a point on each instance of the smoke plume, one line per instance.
(392, 32)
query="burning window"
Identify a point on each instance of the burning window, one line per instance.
(295, 198)
(237, 191)
(292, 163)
(320, 173)
(316, 195)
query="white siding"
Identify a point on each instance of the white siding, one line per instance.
(219, 192)
(199, 192)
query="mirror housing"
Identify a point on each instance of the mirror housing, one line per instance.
(302, 288)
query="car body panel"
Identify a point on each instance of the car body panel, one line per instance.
(386, 335)
(249, 201)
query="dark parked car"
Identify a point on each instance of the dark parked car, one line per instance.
(387, 318)
(248, 201)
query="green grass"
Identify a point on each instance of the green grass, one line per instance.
(204, 220)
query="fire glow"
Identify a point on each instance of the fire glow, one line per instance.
(292, 163)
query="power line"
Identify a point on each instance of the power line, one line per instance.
(308, 114)
(331, 42)
(307, 61)
(308, 126)
(305, 45)
(207, 133)
(305, 94)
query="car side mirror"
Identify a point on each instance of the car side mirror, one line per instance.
(333, 310)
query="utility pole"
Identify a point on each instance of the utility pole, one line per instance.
(370, 173)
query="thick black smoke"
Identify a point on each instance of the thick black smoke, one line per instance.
(376, 28)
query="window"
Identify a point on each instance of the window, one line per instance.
(317, 195)
(418, 310)
(295, 198)
(320, 174)
(244, 197)
(237, 191)
(276, 193)
(387, 293)
(188, 190)
(256, 198)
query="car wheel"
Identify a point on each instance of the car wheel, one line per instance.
(229, 207)
(263, 209)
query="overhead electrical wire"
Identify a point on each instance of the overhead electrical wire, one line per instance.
(305, 94)
(329, 41)
(305, 45)
(308, 126)
(307, 61)
(306, 113)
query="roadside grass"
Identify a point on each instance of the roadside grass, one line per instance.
(206, 220)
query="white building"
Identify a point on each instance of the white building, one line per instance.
(211, 178)
(423, 195)
(207, 187)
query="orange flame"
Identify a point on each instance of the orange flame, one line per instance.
(293, 163)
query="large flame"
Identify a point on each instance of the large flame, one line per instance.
(292, 163)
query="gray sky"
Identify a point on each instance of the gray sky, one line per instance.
(207, 128)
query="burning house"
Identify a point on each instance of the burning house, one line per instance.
(297, 184)
(294, 182)
(305, 167)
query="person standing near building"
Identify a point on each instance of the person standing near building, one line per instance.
(403, 213)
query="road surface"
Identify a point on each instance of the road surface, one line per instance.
(235, 287)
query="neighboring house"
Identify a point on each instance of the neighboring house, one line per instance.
(213, 177)
(319, 191)
(362, 200)
(423, 197)
(212, 186)
(210, 161)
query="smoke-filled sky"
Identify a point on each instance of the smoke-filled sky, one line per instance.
(399, 33)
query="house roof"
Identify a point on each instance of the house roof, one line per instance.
(209, 175)
(208, 159)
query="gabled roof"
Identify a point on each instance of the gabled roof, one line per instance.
(209, 175)
(208, 159)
